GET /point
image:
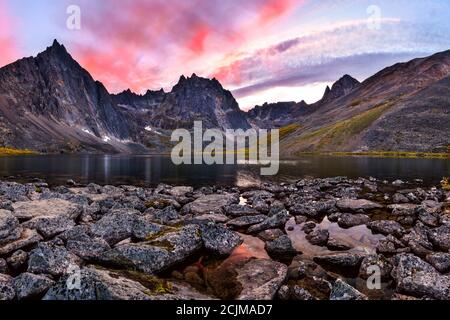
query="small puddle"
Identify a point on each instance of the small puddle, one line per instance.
(360, 238)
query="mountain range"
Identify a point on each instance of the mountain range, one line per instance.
(49, 103)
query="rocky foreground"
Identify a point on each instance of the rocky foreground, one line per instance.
(91, 242)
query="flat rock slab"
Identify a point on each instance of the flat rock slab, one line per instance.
(27, 238)
(260, 279)
(213, 203)
(357, 204)
(45, 208)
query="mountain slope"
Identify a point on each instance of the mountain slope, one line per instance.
(376, 109)
(51, 103)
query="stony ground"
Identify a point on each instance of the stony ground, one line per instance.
(105, 242)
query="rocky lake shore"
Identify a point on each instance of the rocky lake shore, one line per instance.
(315, 239)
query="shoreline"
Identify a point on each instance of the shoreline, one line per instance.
(312, 240)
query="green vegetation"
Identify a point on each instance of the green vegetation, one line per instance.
(5, 151)
(155, 285)
(340, 133)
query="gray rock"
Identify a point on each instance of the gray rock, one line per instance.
(50, 259)
(301, 294)
(280, 247)
(167, 215)
(343, 291)
(313, 209)
(417, 278)
(379, 262)
(213, 203)
(102, 284)
(46, 208)
(318, 237)
(28, 285)
(386, 227)
(3, 266)
(399, 198)
(237, 210)
(157, 255)
(144, 228)
(7, 292)
(357, 204)
(180, 191)
(16, 192)
(116, 226)
(81, 244)
(341, 260)
(440, 260)
(309, 227)
(27, 238)
(440, 237)
(337, 245)
(50, 226)
(219, 240)
(270, 234)
(10, 229)
(391, 245)
(276, 221)
(260, 279)
(246, 221)
(348, 220)
(18, 259)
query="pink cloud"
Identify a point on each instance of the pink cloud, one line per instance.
(8, 46)
(144, 44)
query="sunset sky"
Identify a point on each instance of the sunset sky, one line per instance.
(262, 50)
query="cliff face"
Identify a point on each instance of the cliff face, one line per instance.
(401, 108)
(50, 102)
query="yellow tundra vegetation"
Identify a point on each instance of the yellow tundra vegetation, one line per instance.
(4, 151)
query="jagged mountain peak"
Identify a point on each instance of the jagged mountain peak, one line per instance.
(340, 88)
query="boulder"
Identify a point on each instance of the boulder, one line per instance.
(50, 226)
(167, 215)
(213, 203)
(277, 221)
(84, 246)
(280, 247)
(318, 237)
(10, 229)
(380, 262)
(440, 237)
(159, 254)
(260, 279)
(386, 227)
(46, 208)
(357, 205)
(7, 291)
(103, 284)
(219, 240)
(270, 234)
(417, 278)
(440, 260)
(301, 294)
(348, 220)
(337, 245)
(340, 260)
(18, 259)
(237, 210)
(49, 258)
(246, 221)
(28, 285)
(343, 291)
(27, 238)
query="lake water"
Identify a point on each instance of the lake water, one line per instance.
(151, 170)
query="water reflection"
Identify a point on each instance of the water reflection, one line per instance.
(151, 170)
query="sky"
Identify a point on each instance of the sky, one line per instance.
(261, 50)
